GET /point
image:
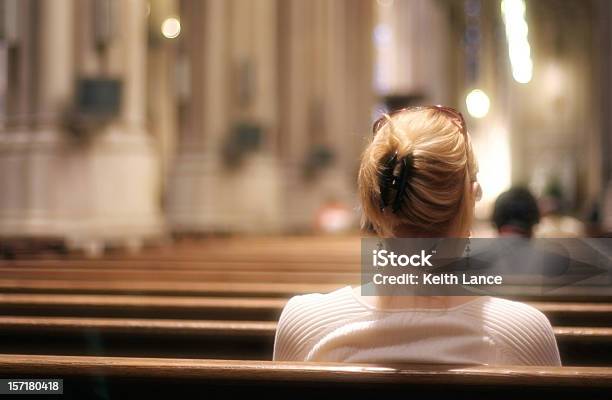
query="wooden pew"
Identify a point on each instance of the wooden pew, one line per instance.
(135, 306)
(220, 288)
(203, 338)
(123, 377)
(137, 337)
(194, 276)
(126, 273)
(220, 264)
(255, 309)
(283, 249)
(257, 289)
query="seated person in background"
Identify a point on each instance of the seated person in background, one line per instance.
(554, 220)
(429, 148)
(516, 213)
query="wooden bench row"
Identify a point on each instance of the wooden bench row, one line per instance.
(73, 309)
(261, 289)
(223, 308)
(124, 377)
(284, 249)
(184, 265)
(220, 288)
(221, 275)
(103, 274)
(205, 338)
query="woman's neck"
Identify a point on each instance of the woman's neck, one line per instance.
(412, 302)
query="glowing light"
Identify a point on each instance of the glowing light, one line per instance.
(383, 35)
(492, 146)
(171, 28)
(477, 103)
(385, 3)
(517, 30)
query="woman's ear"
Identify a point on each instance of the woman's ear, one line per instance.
(476, 191)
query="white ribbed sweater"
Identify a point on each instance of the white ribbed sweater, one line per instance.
(488, 331)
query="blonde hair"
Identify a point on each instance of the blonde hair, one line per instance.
(438, 185)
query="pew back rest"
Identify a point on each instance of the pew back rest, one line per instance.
(123, 376)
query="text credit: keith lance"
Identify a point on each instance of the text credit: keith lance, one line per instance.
(384, 258)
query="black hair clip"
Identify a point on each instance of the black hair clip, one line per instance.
(389, 181)
(401, 181)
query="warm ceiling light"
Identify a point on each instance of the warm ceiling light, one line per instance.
(171, 28)
(513, 13)
(477, 103)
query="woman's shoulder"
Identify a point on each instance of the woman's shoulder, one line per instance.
(498, 302)
(523, 330)
(522, 313)
(305, 317)
(513, 315)
(337, 299)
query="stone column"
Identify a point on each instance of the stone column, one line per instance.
(34, 113)
(100, 187)
(23, 112)
(164, 83)
(231, 50)
(603, 43)
(133, 57)
(327, 58)
(56, 64)
(53, 82)
(19, 119)
(295, 87)
(193, 195)
(411, 40)
(252, 190)
(265, 45)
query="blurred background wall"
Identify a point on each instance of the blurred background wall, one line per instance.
(126, 120)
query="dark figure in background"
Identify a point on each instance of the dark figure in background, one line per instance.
(516, 213)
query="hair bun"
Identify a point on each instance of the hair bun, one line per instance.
(416, 174)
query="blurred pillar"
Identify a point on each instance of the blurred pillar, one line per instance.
(132, 18)
(164, 79)
(604, 49)
(190, 193)
(17, 203)
(123, 158)
(346, 93)
(26, 53)
(350, 94)
(605, 53)
(293, 87)
(326, 87)
(192, 72)
(225, 174)
(216, 69)
(56, 62)
(297, 72)
(264, 33)
(93, 183)
(412, 50)
(111, 42)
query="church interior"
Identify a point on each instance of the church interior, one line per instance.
(173, 171)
